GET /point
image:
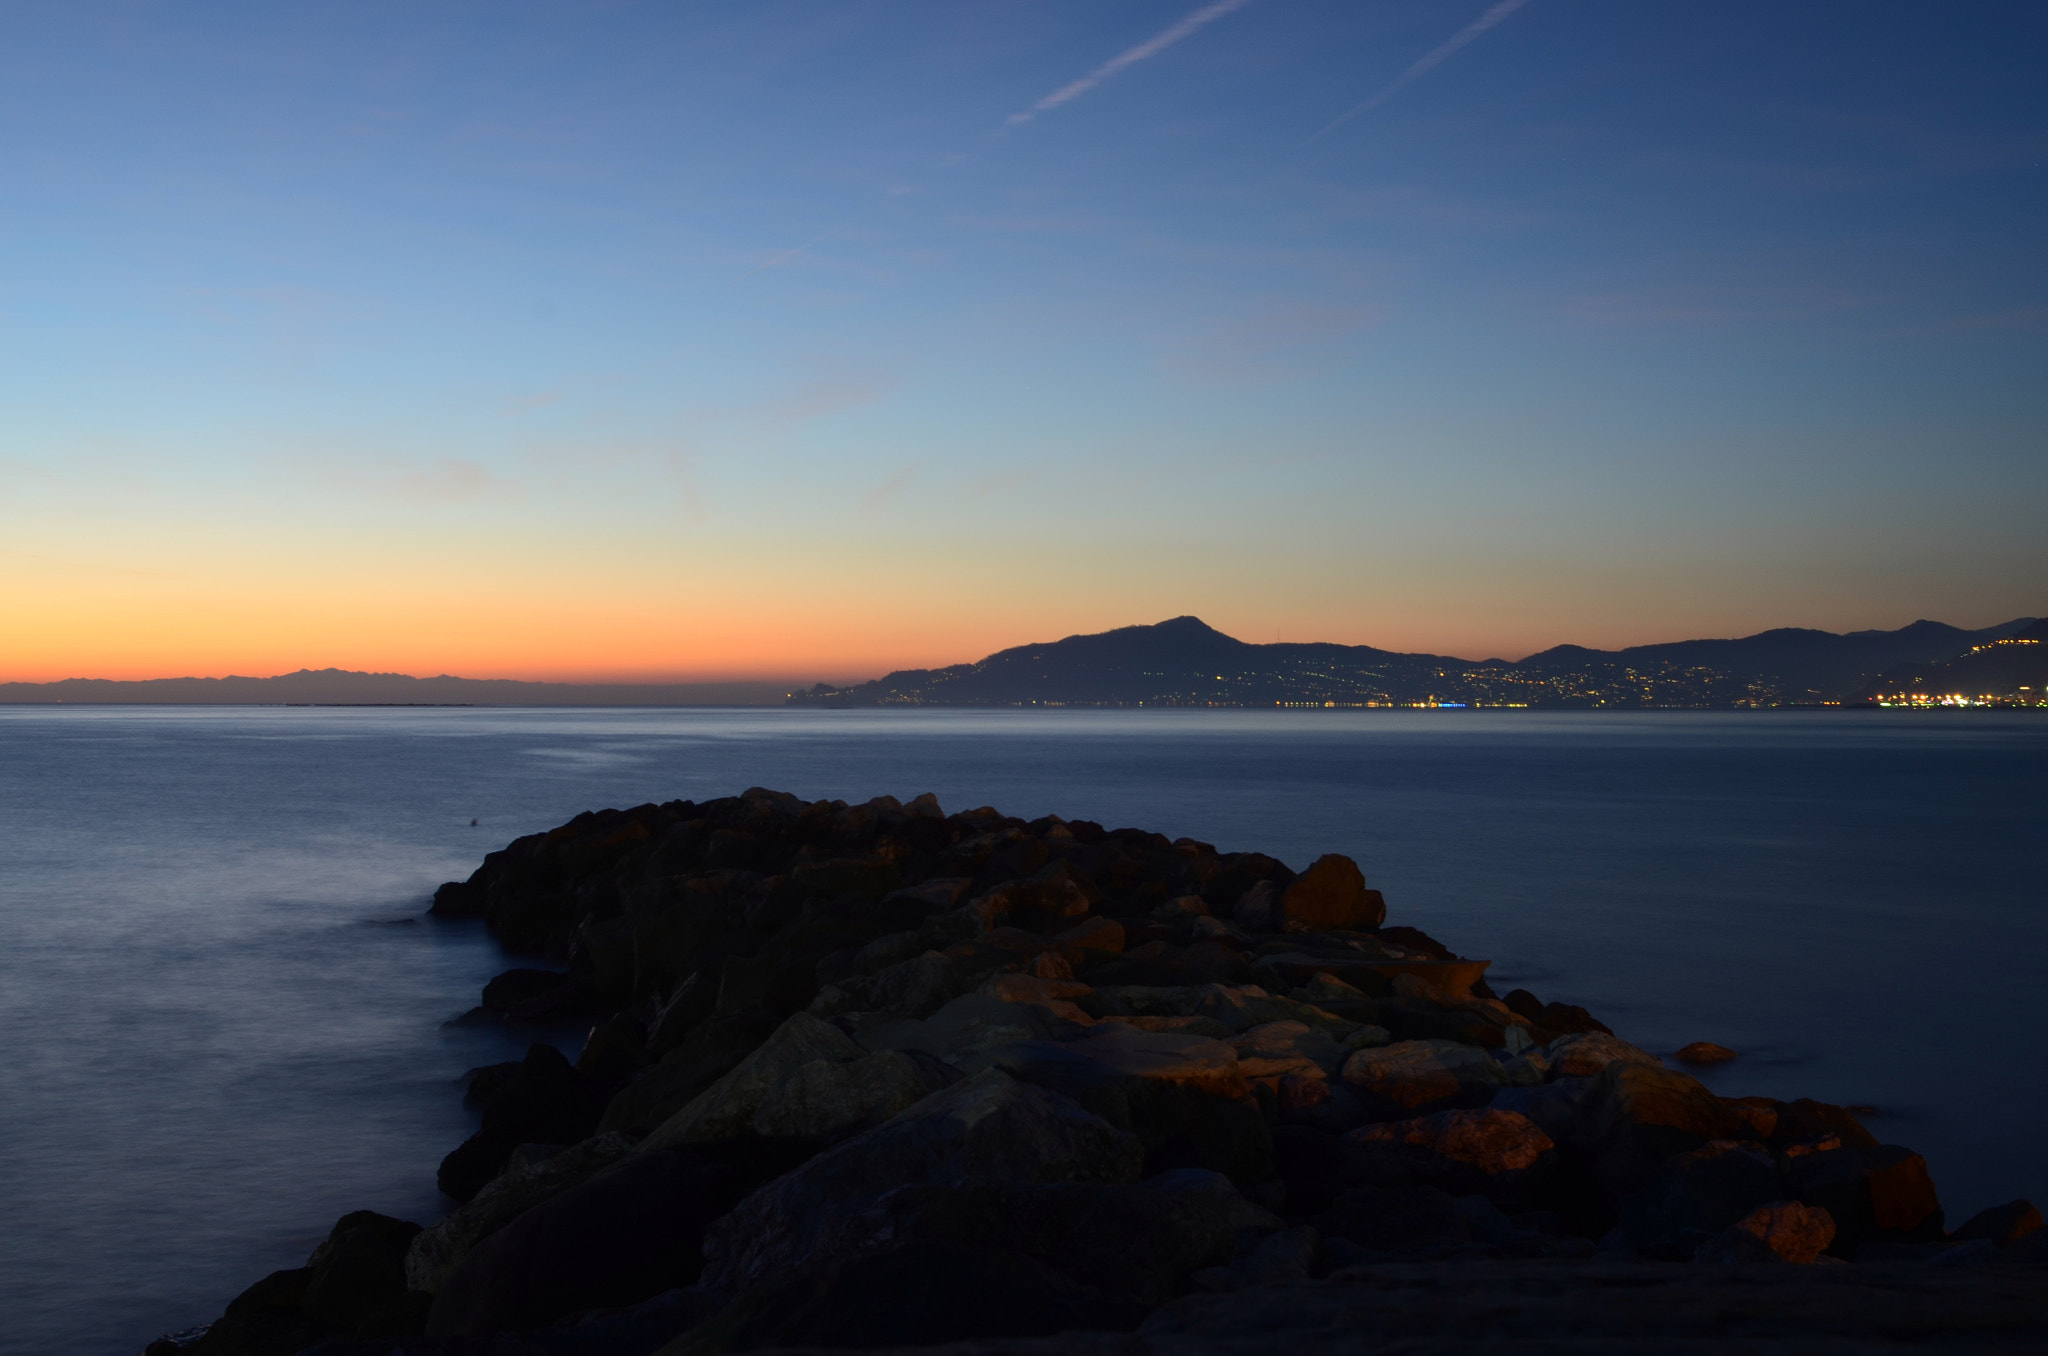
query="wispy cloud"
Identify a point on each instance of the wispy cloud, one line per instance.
(1152, 47)
(1427, 63)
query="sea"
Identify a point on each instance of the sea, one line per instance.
(228, 1019)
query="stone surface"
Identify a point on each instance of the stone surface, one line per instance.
(1698, 1194)
(1330, 895)
(1482, 1144)
(1706, 1052)
(827, 1100)
(1783, 1231)
(726, 1109)
(434, 1253)
(627, 1234)
(1418, 1075)
(990, 1125)
(2003, 1225)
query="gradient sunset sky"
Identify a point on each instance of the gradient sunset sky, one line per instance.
(808, 340)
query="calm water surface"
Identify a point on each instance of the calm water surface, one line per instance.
(224, 1012)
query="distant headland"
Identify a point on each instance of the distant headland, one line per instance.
(1186, 662)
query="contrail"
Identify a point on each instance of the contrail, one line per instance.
(1206, 15)
(1428, 63)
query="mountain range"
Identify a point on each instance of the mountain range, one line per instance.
(1186, 662)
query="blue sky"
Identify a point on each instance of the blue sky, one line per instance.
(693, 339)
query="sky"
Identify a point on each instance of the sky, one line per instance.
(810, 340)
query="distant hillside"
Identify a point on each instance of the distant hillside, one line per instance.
(339, 687)
(1185, 662)
(2009, 671)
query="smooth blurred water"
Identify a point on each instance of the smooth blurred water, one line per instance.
(223, 1010)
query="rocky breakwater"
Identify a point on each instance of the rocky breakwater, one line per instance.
(875, 1076)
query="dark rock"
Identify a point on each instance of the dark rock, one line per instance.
(544, 1102)
(1329, 896)
(267, 1319)
(1782, 1231)
(1422, 1075)
(1697, 1195)
(1706, 1052)
(1650, 1114)
(632, 1231)
(710, 1053)
(910, 1294)
(1395, 1219)
(537, 996)
(2004, 1225)
(1499, 1154)
(358, 1270)
(1873, 1194)
(725, 1110)
(991, 1125)
(433, 1254)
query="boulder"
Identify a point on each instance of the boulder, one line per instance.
(971, 1024)
(630, 1232)
(1697, 1195)
(1781, 1231)
(1644, 1114)
(541, 1100)
(916, 987)
(434, 1253)
(990, 1125)
(827, 1100)
(1705, 1052)
(1331, 896)
(708, 1054)
(1586, 1054)
(1872, 1194)
(354, 1277)
(726, 1109)
(1394, 1219)
(1411, 1076)
(1499, 1154)
(2003, 1225)
(1183, 1096)
(910, 1294)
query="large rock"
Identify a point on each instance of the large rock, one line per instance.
(709, 1053)
(541, 1100)
(1649, 1113)
(1329, 896)
(991, 1125)
(1783, 1231)
(631, 1232)
(910, 1294)
(1183, 1096)
(1881, 1193)
(1697, 1195)
(1588, 1054)
(827, 1100)
(354, 1279)
(2001, 1225)
(434, 1253)
(726, 1109)
(973, 1023)
(1491, 1152)
(1411, 1076)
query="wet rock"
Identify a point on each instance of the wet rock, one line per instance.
(726, 1109)
(1647, 1114)
(434, 1253)
(2003, 1225)
(1706, 1052)
(990, 1125)
(628, 1233)
(1410, 1076)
